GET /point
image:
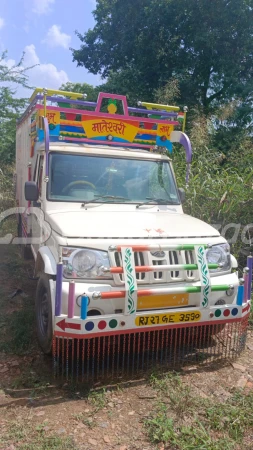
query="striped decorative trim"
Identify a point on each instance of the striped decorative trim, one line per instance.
(130, 281)
(204, 275)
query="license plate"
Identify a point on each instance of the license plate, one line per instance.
(163, 319)
(162, 301)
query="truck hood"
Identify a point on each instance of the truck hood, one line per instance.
(125, 224)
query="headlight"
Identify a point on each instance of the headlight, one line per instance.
(84, 263)
(219, 254)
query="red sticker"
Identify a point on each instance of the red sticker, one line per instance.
(102, 324)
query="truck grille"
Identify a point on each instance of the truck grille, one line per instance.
(147, 259)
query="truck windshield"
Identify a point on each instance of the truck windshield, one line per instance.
(84, 178)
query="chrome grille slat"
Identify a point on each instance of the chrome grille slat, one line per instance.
(174, 259)
(189, 259)
(159, 275)
(146, 258)
(139, 261)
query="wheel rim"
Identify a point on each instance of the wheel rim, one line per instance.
(44, 314)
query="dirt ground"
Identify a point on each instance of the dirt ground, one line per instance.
(38, 412)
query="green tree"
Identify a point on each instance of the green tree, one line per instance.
(82, 88)
(116, 83)
(206, 45)
(125, 82)
(10, 106)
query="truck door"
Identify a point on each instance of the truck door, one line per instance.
(37, 213)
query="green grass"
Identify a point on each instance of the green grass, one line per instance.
(187, 422)
(50, 443)
(82, 417)
(17, 314)
(39, 441)
(197, 437)
(235, 416)
(175, 392)
(19, 339)
(161, 428)
(25, 436)
(97, 399)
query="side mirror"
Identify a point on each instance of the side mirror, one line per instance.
(31, 191)
(181, 192)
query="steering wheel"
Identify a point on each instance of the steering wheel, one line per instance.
(75, 183)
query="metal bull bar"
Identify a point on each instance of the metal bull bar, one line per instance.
(116, 345)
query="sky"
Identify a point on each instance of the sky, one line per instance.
(45, 30)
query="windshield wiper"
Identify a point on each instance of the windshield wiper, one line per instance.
(107, 197)
(161, 201)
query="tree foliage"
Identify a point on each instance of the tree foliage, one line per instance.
(206, 45)
(10, 107)
(196, 53)
(82, 88)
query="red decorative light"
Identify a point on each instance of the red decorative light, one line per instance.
(226, 313)
(102, 324)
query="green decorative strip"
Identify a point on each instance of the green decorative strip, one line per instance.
(222, 287)
(193, 289)
(69, 134)
(189, 246)
(213, 266)
(190, 266)
(196, 289)
(139, 141)
(195, 266)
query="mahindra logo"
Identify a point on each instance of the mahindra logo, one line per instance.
(160, 254)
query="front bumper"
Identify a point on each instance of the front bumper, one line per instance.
(140, 307)
(111, 306)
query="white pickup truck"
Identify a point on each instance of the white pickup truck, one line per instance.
(114, 251)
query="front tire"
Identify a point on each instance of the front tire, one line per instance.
(43, 311)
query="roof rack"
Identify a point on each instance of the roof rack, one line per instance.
(109, 121)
